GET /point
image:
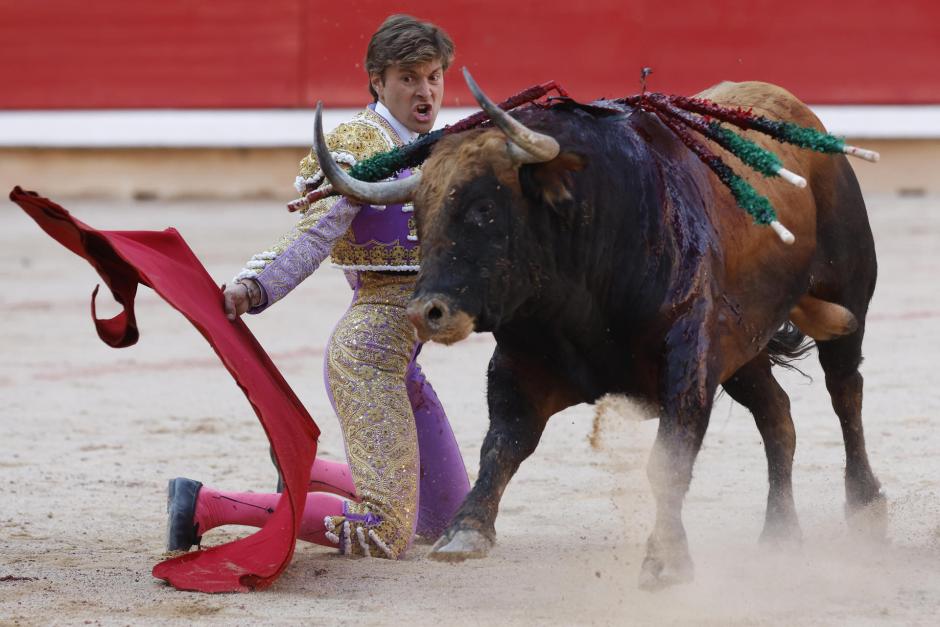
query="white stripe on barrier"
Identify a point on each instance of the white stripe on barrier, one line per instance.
(277, 128)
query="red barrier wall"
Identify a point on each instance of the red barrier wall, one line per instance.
(289, 53)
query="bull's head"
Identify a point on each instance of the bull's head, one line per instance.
(471, 207)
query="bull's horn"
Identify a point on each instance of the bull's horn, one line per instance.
(534, 147)
(383, 193)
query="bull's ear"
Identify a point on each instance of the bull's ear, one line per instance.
(551, 182)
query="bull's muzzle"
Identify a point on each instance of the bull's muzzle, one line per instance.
(435, 319)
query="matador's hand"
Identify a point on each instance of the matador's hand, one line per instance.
(239, 297)
(360, 534)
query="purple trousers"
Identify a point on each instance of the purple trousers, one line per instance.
(401, 450)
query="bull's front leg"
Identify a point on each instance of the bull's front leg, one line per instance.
(688, 385)
(522, 395)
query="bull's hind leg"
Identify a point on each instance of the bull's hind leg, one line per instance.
(846, 274)
(522, 395)
(840, 359)
(755, 387)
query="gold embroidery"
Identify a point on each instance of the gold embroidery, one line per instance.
(377, 256)
(398, 255)
(361, 137)
(367, 364)
(357, 254)
(374, 254)
(365, 135)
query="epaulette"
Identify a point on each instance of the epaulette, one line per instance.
(351, 142)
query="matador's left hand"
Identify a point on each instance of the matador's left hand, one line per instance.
(362, 534)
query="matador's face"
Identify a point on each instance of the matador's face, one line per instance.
(413, 93)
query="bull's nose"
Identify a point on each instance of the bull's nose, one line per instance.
(436, 317)
(426, 314)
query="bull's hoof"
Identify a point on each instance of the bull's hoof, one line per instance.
(869, 520)
(781, 534)
(658, 574)
(667, 562)
(462, 545)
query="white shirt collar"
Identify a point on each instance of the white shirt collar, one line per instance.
(404, 133)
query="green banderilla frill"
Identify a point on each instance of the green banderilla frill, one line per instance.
(752, 155)
(810, 138)
(748, 199)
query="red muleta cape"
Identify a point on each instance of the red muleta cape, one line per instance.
(162, 261)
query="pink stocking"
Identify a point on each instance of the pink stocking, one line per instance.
(333, 477)
(215, 508)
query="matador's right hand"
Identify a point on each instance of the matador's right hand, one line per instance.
(238, 298)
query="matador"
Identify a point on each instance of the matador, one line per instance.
(405, 475)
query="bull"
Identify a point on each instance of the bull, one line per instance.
(604, 257)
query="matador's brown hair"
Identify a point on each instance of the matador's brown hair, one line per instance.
(407, 41)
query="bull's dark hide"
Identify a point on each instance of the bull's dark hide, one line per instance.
(623, 265)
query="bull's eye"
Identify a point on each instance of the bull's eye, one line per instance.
(480, 214)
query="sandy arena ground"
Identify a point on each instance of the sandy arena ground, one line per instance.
(89, 436)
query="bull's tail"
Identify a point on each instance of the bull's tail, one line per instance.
(789, 345)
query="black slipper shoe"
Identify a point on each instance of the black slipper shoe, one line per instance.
(181, 531)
